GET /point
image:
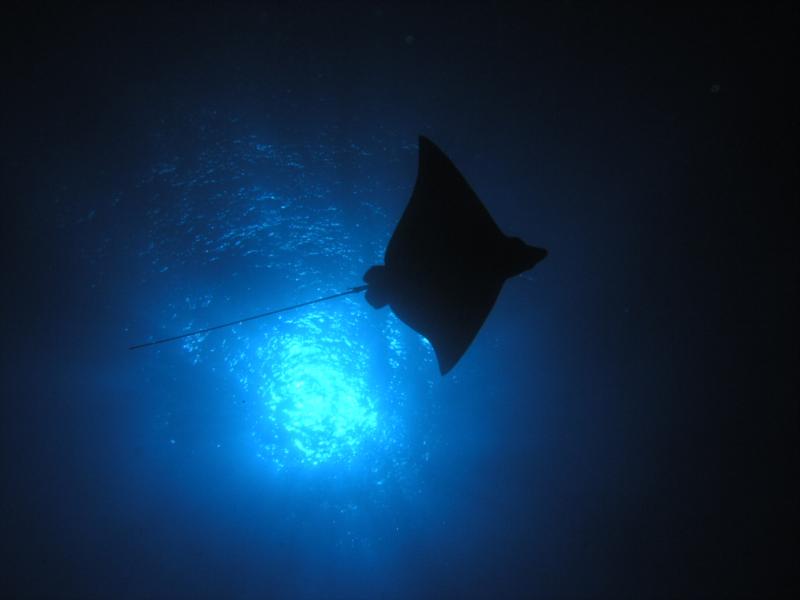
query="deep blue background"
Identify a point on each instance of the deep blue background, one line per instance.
(625, 422)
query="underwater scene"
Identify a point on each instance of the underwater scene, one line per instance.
(622, 424)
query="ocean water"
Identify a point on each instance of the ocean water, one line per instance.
(313, 451)
(608, 434)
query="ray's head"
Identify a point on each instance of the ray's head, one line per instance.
(520, 257)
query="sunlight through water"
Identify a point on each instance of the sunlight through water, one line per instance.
(334, 390)
(315, 394)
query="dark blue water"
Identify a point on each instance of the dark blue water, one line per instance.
(612, 431)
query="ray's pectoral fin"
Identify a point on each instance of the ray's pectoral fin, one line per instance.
(446, 261)
(448, 312)
(453, 333)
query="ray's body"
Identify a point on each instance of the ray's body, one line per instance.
(446, 261)
(444, 266)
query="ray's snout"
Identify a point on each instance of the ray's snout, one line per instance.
(521, 257)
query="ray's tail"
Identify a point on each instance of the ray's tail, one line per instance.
(353, 290)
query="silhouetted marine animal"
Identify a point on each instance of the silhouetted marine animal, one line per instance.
(444, 266)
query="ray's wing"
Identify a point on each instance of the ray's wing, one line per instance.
(444, 218)
(451, 328)
(445, 250)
